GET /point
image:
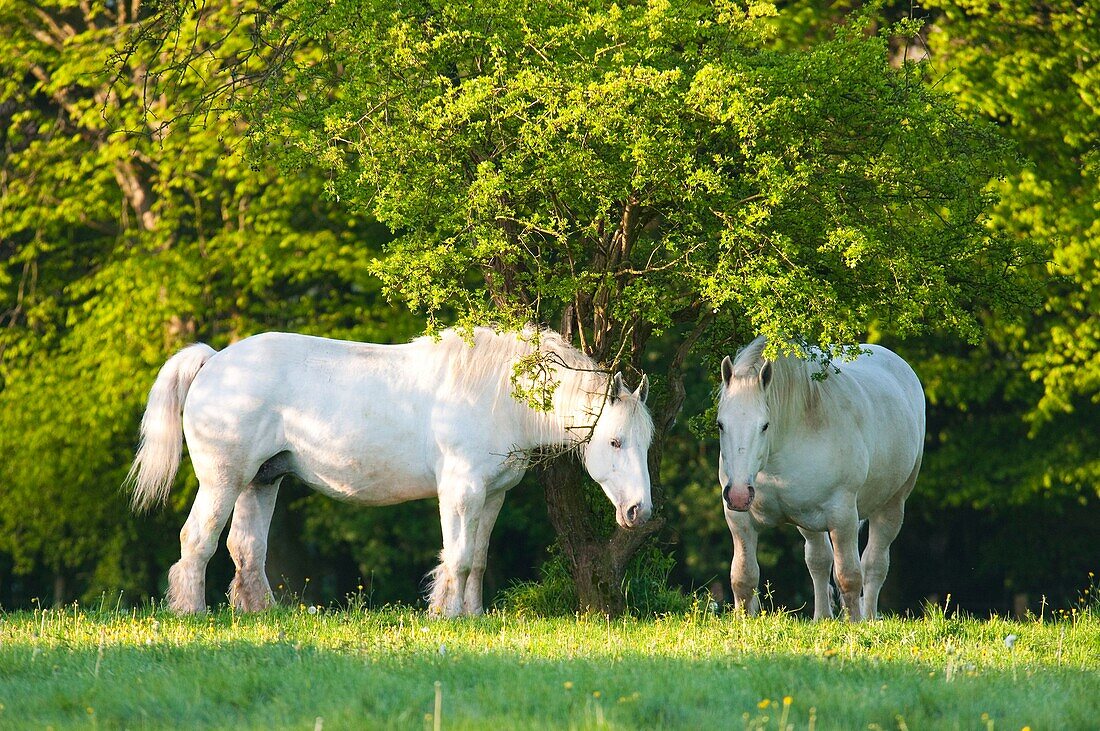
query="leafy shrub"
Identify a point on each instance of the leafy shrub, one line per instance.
(645, 587)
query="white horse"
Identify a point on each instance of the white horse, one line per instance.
(824, 455)
(377, 425)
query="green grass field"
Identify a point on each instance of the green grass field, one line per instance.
(342, 669)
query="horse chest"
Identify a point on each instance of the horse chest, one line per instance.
(776, 504)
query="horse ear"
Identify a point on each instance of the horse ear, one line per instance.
(766, 374)
(617, 387)
(643, 389)
(727, 370)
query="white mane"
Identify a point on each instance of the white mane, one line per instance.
(488, 366)
(792, 391)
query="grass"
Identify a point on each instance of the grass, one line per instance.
(307, 668)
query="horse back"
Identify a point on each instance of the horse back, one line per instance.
(351, 417)
(364, 422)
(889, 404)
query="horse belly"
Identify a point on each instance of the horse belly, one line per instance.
(370, 471)
(893, 429)
(373, 487)
(896, 453)
(882, 486)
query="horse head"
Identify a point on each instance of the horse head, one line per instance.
(615, 456)
(743, 421)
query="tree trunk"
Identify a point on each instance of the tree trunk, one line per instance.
(59, 589)
(596, 563)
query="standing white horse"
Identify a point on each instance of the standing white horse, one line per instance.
(824, 455)
(377, 425)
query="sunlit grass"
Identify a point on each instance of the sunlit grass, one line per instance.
(304, 667)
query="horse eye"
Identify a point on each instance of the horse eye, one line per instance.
(617, 444)
(721, 427)
(765, 427)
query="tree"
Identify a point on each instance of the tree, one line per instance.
(1034, 71)
(627, 171)
(121, 239)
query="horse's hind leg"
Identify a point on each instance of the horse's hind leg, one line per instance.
(198, 541)
(247, 542)
(883, 529)
(819, 560)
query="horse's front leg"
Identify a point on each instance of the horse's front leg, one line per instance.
(819, 560)
(461, 504)
(849, 573)
(472, 598)
(744, 569)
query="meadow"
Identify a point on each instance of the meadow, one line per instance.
(354, 667)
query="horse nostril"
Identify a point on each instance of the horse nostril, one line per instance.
(632, 513)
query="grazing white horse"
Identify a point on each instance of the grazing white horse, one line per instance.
(377, 425)
(824, 455)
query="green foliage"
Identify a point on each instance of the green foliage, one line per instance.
(1034, 71)
(645, 586)
(122, 238)
(627, 169)
(552, 595)
(641, 165)
(1012, 439)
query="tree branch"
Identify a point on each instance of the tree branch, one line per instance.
(675, 372)
(624, 543)
(59, 30)
(137, 193)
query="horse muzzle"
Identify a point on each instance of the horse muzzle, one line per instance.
(633, 516)
(738, 497)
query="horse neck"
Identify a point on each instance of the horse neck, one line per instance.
(486, 368)
(576, 405)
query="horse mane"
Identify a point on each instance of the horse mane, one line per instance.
(793, 389)
(483, 361)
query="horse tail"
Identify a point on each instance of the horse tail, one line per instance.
(161, 446)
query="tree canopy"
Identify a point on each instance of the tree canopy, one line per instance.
(121, 241)
(637, 166)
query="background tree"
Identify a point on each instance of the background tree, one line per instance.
(122, 239)
(1022, 416)
(92, 301)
